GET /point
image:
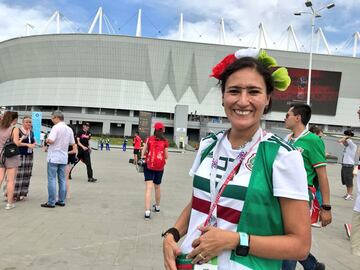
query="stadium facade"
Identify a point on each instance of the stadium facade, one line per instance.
(107, 80)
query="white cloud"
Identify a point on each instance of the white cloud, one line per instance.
(13, 20)
(348, 4)
(242, 19)
(201, 20)
(330, 28)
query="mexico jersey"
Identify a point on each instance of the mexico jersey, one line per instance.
(287, 167)
(312, 149)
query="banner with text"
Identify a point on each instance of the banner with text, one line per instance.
(36, 125)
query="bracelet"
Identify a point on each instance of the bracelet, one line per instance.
(174, 232)
(326, 207)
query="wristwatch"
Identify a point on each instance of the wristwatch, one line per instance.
(326, 207)
(244, 245)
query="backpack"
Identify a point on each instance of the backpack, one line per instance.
(155, 159)
(10, 149)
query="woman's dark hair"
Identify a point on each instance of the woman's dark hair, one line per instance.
(315, 129)
(159, 134)
(249, 62)
(7, 119)
(349, 132)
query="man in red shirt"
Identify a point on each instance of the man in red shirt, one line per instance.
(137, 146)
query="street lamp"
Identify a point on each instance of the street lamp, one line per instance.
(314, 14)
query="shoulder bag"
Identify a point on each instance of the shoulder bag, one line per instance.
(10, 148)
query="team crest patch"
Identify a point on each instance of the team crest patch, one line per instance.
(300, 149)
(250, 162)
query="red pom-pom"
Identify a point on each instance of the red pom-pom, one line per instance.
(220, 67)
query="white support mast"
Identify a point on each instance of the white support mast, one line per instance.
(98, 17)
(100, 20)
(262, 37)
(138, 26)
(291, 35)
(57, 16)
(58, 22)
(28, 27)
(320, 34)
(356, 40)
(181, 27)
(222, 39)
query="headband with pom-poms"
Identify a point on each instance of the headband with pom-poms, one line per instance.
(279, 76)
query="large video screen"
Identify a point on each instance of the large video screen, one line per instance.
(324, 91)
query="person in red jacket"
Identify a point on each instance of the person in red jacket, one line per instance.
(137, 146)
(156, 152)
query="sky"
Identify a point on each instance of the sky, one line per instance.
(160, 19)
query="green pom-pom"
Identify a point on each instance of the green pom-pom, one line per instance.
(281, 79)
(266, 60)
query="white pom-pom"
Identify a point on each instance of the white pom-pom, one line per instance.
(249, 52)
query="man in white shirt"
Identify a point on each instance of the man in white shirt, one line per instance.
(59, 139)
(348, 161)
(355, 233)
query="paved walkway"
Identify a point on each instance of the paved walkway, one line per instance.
(102, 225)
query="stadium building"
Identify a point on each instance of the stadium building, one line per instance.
(108, 80)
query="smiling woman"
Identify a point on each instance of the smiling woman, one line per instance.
(241, 214)
(245, 98)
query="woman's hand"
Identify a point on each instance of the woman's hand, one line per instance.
(31, 145)
(170, 252)
(211, 243)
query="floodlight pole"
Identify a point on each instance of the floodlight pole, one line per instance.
(310, 58)
(314, 14)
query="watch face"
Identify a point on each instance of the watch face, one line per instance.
(242, 251)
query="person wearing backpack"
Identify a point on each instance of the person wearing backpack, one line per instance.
(155, 152)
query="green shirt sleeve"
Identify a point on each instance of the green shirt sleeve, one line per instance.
(317, 153)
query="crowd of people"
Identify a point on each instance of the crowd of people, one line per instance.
(254, 195)
(64, 151)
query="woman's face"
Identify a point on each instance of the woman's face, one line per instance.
(245, 99)
(27, 123)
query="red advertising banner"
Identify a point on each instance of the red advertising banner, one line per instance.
(324, 94)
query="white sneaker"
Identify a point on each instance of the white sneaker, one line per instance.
(9, 206)
(316, 224)
(349, 197)
(156, 208)
(147, 215)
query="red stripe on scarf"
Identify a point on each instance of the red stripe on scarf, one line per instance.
(184, 266)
